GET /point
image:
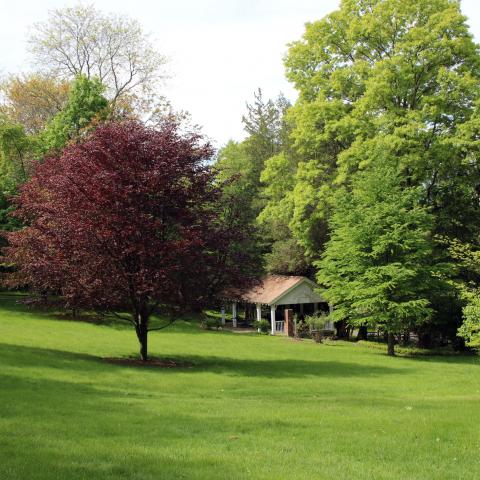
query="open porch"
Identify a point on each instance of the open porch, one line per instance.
(277, 293)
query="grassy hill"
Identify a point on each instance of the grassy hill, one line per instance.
(251, 407)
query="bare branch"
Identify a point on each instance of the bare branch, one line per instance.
(82, 40)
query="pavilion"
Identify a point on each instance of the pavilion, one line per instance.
(293, 292)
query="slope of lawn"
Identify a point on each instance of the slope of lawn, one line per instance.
(252, 407)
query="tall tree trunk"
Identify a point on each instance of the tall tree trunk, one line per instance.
(391, 344)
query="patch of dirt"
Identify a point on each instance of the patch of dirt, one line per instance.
(151, 362)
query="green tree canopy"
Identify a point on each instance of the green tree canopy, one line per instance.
(85, 105)
(377, 266)
(404, 69)
(240, 166)
(468, 257)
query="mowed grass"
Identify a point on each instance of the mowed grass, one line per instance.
(252, 407)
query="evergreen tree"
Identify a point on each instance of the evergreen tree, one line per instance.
(263, 124)
(377, 265)
(240, 166)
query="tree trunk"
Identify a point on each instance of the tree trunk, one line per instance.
(424, 340)
(391, 344)
(144, 346)
(349, 331)
(341, 327)
(362, 332)
(142, 335)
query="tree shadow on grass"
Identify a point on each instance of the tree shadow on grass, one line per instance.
(23, 356)
(105, 465)
(286, 368)
(460, 358)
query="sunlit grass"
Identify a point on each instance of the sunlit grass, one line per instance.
(252, 406)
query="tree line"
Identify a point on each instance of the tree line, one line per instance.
(368, 183)
(370, 180)
(90, 67)
(108, 197)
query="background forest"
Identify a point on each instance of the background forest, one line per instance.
(368, 183)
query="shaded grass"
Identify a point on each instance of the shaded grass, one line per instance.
(251, 407)
(414, 351)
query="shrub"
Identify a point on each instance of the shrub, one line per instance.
(316, 326)
(262, 325)
(317, 336)
(211, 323)
(316, 322)
(302, 330)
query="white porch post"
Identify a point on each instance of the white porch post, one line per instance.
(315, 307)
(223, 315)
(234, 314)
(272, 319)
(330, 311)
(259, 313)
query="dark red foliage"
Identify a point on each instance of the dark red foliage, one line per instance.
(127, 220)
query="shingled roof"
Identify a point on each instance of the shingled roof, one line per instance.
(272, 287)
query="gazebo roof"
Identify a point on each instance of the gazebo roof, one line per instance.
(272, 288)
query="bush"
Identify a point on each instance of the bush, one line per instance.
(317, 321)
(211, 323)
(262, 325)
(317, 336)
(302, 330)
(314, 327)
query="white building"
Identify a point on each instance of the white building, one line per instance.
(276, 291)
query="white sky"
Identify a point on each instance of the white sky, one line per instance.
(221, 51)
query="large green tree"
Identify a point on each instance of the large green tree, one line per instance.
(406, 69)
(378, 265)
(404, 73)
(267, 136)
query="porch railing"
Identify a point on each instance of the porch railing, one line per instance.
(279, 326)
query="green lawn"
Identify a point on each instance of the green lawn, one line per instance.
(252, 407)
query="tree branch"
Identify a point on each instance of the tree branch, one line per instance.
(164, 326)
